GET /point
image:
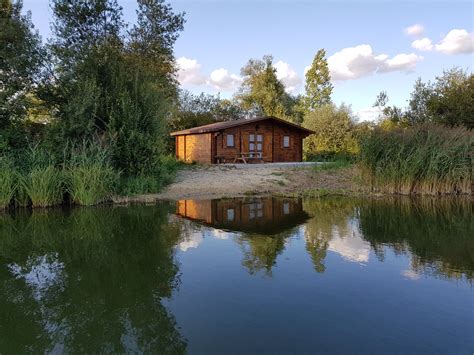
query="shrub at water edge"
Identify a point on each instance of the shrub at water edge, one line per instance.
(90, 176)
(44, 186)
(7, 182)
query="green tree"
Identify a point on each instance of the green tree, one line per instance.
(261, 91)
(333, 127)
(452, 99)
(152, 40)
(390, 116)
(20, 67)
(196, 110)
(116, 86)
(418, 111)
(318, 82)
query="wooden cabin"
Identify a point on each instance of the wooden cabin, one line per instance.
(264, 216)
(262, 139)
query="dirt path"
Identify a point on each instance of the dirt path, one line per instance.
(218, 181)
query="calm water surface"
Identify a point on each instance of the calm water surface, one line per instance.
(244, 276)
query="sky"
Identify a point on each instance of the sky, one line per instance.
(371, 45)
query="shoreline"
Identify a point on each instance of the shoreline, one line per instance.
(262, 180)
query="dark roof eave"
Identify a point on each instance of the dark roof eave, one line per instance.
(218, 126)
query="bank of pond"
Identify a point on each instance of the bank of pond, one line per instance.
(252, 274)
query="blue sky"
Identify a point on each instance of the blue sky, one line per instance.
(371, 45)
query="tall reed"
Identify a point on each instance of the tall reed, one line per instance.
(428, 159)
(40, 180)
(43, 184)
(90, 176)
(7, 182)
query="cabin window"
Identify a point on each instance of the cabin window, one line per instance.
(230, 214)
(230, 140)
(286, 141)
(255, 210)
(286, 208)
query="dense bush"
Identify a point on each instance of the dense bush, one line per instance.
(334, 135)
(426, 159)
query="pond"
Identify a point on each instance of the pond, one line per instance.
(249, 275)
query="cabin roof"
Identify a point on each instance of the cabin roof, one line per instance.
(215, 127)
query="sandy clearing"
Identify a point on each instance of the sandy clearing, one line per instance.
(234, 180)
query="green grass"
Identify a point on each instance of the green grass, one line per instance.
(90, 178)
(44, 186)
(7, 182)
(333, 165)
(427, 159)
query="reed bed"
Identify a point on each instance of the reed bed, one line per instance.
(428, 160)
(44, 186)
(7, 183)
(90, 178)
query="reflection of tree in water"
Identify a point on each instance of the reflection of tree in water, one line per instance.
(438, 233)
(90, 280)
(329, 216)
(261, 252)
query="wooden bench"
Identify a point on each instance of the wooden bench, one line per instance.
(248, 157)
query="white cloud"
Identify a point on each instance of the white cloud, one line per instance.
(415, 30)
(350, 244)
(189, 72)
(456, 42)
(287, 75)
(410, 274)
(423, 44)
(222, 80)
(401, 62)
(369, 113)
(359, 61)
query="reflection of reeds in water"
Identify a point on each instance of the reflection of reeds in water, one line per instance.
(437, 233)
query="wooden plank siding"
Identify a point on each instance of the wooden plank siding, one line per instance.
(205, 147)
(195, 148)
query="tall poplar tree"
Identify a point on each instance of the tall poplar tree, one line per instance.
(318, 82)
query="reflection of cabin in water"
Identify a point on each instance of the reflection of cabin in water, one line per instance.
(268, 215)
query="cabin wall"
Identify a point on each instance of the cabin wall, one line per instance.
(241, 140)
(204, 148)
(195, 209)
(291, 153)
(194, 148)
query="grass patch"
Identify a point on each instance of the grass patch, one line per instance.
(8, 183)
(333, 165)
(44, 186)
(90, 178)
(280, 182)
(323, 192)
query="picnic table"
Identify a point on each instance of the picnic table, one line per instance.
(219, 159)
(247, 157)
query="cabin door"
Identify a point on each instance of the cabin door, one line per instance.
(256, 145)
